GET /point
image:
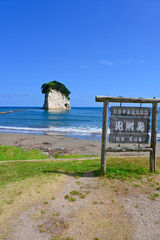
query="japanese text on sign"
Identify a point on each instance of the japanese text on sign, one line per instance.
(129, 125)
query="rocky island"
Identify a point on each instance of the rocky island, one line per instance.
(56, 96)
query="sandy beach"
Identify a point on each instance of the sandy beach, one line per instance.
(59, 143)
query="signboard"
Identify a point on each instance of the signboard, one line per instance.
(131, 111)
(129, 125)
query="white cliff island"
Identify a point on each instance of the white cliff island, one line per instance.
(56, 96)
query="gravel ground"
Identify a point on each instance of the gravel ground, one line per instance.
(93, 216)
(145, 214)
(102, 214)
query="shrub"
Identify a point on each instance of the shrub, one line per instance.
(54, 85)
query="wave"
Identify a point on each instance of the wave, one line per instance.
(72, 130)
(61, 130)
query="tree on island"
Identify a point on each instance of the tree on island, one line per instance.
(54, 85)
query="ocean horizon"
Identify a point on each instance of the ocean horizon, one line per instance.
(78, 122)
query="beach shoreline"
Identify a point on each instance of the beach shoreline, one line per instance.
(62, 144)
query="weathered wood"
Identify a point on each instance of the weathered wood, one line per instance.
(126, 100)
(128, 138)
(153, 137)
(130, 111)
(126, 149)
(129, 125)
(104, 138)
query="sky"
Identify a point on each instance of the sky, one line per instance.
(94, 47)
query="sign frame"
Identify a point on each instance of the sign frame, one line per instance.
(152, 148)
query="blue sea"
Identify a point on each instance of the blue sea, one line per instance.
(79, 122)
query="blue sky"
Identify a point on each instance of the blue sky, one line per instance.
(94, 47)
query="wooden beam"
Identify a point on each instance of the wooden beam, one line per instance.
(104, 137)
(127, 149)
(153, 137)
(126, 100)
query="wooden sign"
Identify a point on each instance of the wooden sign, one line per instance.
(131, 111)
(129, 125)
(128, 138)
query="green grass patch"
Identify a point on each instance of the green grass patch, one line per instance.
(154, 196)
(56, 213)
(118, 168)
(15, 153)
(72, 199)
(63, 156)
(127, 167)
(74, 192)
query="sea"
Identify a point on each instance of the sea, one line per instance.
(79, 122)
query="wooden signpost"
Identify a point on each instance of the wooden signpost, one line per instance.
(129, 125)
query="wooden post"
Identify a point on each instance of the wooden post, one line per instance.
(104, 137)
(153, 137)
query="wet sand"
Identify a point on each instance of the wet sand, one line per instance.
(59, 143)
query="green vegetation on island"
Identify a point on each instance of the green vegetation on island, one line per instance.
(54, 85)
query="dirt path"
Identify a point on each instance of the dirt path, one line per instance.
(90, 208)
(50, 160)
(146, 217)
(93, 215)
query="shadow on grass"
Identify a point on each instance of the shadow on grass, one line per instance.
(112, 172)
(93, 173)
(117, 168)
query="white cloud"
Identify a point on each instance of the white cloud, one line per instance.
(125, 61)
(128, 61)
(83, 66)
(141, 61)
(20, 95)
(108, 63)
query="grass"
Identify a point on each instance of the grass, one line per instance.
(61, 238)
(16, 153)
(72, 199)
(56, 213)
(82, 195)
(154, 196)
(122, 168)
(117, 168)
(59, 155)
(67, 196)
(42, 230)
(53, 198)
(74, 192)
(42, 211)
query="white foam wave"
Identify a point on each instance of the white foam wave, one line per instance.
(73, 130)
